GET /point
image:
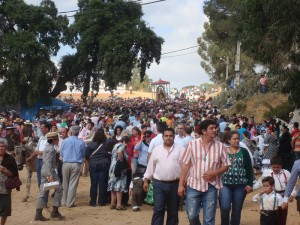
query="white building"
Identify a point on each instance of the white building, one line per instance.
(121, 88)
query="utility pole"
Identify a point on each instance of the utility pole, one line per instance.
(237, 64)
(227, 66)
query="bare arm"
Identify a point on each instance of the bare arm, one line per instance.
(184, 171)
(35, 153)
(5, 171)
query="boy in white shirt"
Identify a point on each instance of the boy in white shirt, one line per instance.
(281, 177)
(269, 202)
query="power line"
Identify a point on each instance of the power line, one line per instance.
(180, 50)
(148, 3)
(76, 10)
(171, 56)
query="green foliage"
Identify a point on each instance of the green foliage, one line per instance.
(270, 36)
(29, 36)
(221, 99)
(111, 39)
(240, 107)
(270, 32)
(281, 111)
(219, 41)
(137, 84)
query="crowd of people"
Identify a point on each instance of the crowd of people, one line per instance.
(188, 152)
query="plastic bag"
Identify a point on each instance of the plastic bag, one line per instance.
(149, 197)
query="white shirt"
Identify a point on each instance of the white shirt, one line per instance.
(179, 139)
(165, 165)
(266, 201)
(222, 126)
(95, 120)
(185, 141)
(245, 146)
(83, 133)
(41, 145)
(129, 128)
(158, 140)
(280, 178)
(261, 141)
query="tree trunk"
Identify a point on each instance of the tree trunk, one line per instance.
(59, 87)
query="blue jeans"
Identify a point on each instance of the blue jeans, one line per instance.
(99, 180)
(165, 195)
(195, 199)
(232, 198)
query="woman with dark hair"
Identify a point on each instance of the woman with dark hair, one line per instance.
(117, 185)
(97, 153)
(117, 134)
(237, 180)
(131, 160)
(136, 138)
(142, 148)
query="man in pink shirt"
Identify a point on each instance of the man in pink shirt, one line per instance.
(164, 168)
(204, 161)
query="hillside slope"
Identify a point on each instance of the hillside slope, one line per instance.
(258, 105)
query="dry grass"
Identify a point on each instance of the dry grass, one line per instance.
(257, 105)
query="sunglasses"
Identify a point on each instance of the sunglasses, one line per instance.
(147, 135)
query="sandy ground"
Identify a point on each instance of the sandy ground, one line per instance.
(105, 96)
(23, 213)
(126, 94)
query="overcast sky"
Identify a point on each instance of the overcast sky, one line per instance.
(179, 23)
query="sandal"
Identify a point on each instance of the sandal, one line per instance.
(112, 207)
(120, 208)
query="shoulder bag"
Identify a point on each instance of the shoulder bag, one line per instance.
(12, 183)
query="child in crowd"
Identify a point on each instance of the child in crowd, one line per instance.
(269, 202)
(136, 191)
(281, 177)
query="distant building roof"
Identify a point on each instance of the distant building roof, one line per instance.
(160, 81)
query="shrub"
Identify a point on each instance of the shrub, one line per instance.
(240, 107)
(281, 111)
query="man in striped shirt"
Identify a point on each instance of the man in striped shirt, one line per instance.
(204, 161)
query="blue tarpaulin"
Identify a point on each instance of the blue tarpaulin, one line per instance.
(29, 113)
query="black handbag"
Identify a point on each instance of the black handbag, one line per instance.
(120, 166)
(12, 183)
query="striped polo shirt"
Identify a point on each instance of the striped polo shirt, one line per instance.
(202, 160)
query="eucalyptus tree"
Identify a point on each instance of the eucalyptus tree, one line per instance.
(270, 35)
